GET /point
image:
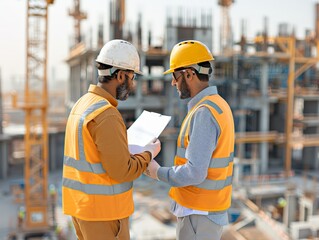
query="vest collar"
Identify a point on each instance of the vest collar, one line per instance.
(212, 90)
(101, 92)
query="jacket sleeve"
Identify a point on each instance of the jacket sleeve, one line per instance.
(108, 131)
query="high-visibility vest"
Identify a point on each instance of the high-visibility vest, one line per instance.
(214, 193)
(88, 192)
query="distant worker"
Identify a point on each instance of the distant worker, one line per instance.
(282, 202)
(52, 192)
(53, 198)
(201, 179)
(21, 216)
(98, 168)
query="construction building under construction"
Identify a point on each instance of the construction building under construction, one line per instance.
(271, 83)
(272, 86)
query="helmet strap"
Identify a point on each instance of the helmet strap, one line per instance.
(201, 69)
(107, 72)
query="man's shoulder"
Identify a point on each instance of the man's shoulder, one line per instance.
(109, 115)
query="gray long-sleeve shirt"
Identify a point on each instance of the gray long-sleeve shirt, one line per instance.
(204, 132)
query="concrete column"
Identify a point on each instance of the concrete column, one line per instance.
(238, 171)
(254, 166)
(138, 90)
(52, 153)
(169, 147)
(241, 147)
(56, 150)
(291, 207)
(301, 211)
(254, 162)
(305, 208)
(310, 155)
(4, 156)
(171, 99)
(264, 115)
(139, 98)
(238, 165)
(304, 204)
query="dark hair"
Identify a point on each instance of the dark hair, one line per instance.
(105, 79)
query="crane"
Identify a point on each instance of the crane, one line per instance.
(78, 16)
(225, 31)
(35, 106)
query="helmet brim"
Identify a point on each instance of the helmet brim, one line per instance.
(168, 71)
(139, 73)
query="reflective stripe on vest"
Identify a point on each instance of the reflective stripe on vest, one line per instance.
(82, 165)
(213, 105)
(215, 184)
(214, 162)
(97, 188)
(91, 109)
(205, 102)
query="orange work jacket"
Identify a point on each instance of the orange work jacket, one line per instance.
(88, 192)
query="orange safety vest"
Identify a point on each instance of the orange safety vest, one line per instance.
(214, 193)
(88, 192)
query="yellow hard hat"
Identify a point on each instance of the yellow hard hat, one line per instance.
(188, 53)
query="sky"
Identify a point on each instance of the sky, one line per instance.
(300, 14)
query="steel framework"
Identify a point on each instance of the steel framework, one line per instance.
(35, 106)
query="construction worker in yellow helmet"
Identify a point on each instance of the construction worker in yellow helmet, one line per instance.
(98, 168)
(201, 180)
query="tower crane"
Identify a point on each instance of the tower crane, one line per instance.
(78, 16)
(225, 31)
(35, 104)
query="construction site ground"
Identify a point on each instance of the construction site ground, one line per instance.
(151, 219)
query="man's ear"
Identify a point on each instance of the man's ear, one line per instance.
(120, 76)
(189, 73)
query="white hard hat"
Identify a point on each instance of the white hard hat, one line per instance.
(121, 55)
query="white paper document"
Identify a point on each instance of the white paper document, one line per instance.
(148, 126)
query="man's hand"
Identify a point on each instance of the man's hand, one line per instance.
(154, 148)
(152, 169)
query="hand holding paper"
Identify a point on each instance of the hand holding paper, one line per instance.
(153, 147)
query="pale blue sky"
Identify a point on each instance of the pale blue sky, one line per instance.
(299, 13)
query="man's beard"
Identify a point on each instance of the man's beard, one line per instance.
(184, 91)
(123, 91)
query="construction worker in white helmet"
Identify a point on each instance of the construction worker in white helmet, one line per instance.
(201, 180)
(98, 168)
